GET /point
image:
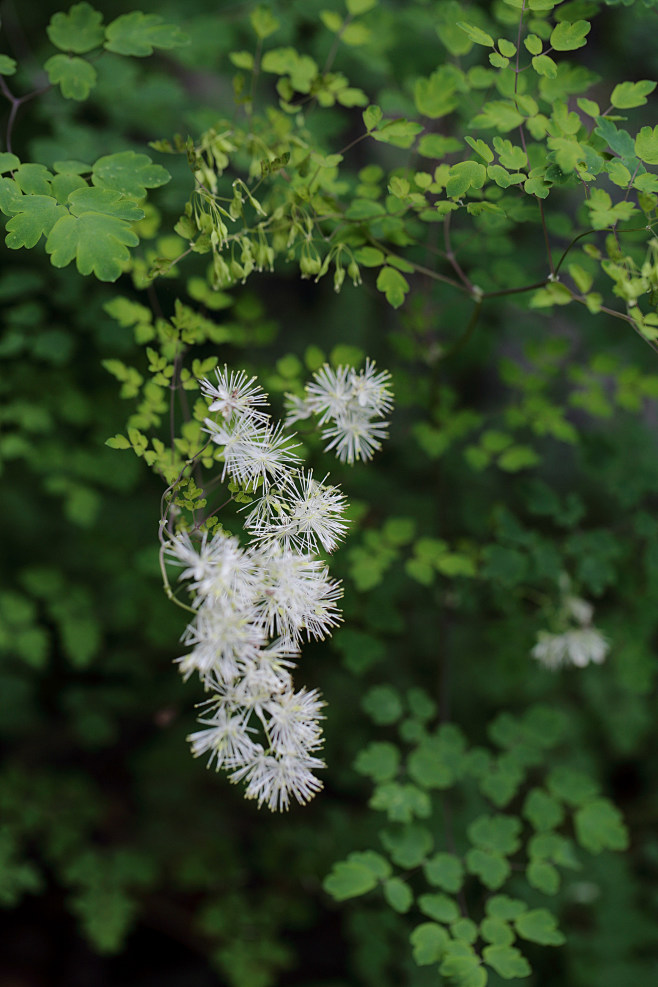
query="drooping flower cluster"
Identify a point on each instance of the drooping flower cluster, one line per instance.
(254, 605)
(579, 644)
(350, 407)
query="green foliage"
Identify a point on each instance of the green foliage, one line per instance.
(516, 247)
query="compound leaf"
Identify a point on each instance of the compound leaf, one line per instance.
(78, 31)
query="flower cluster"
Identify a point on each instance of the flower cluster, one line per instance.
(254, 605)
(350, 407)
(579, 644)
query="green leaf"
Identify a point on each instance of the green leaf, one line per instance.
(626, 95)
(572, 787)
(372, 117)
(503, 907)
(8, 162)
(444, 870)
(498, 114)
(569, 35)
(408, 845)
(542, 810)
(129, 173)
(379, 761)
(349, 879)
(78, 31)
(533, 44)
(427, 767)
(118, 441)
(394, 285)
(74, 76)
(398, 894)
(461, 965)
(463, 176)
(497, 931)
(510, 155)
(599, 826)
(481, 148)
(138, 34)
(400, 133)
(401, 803)
(518, 458)
(496, 833)
(358, 7)
(429, 942)
(95, 234)
(540, 926)
(34, 217)
(543, 876)
(646, 145)
(492, 868)
(439, 907)
(33, 179)
(7, 65)
(544, 65)
(383, 704)
(476, 34)
(506, 47)
(435, 96)
(508, 962)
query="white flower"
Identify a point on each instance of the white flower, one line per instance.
(354, 436)
(235, 395)
(576, 647)
(226, 739)
(581, 611)
(371, 389)
(215, 567)
(293, 726)
(274, 779)
(253, 452)
(298, 595)
(225, 639)
(330, 392)
(303, 513)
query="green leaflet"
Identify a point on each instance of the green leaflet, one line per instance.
(138, 34)
(78, 31)
(129, 173)
(74, 76)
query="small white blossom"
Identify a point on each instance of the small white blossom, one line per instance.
(576, 647)
(303, 514)
(274, 779)
(236, 396)
(226, 739)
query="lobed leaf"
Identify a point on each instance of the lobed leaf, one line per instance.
(138, 34)
(78, 31)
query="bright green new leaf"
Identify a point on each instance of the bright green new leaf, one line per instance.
(498, 61)
(506, 47)
(138, 34)
(7, 65)
(540, 926)
(646, 145)
(510, 155)
(544, 65)
(498, 114)
(534, 44)
(34, 217)
(398, 894)
(508, 962)
(118, 441)
(600, 826)
(129, 173)
(74, 76)
(435, 96)
(481, 148)
(372, 117)
(444, 870)
(626, 95)
(476, 34)
(301, 69)
(569, 35)
(400, 133)
(332, 20)
(429, 942)
(78, 31)
(463, 176)
(394, 285)
(408, 844)
(358, 7)
(263, 22)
